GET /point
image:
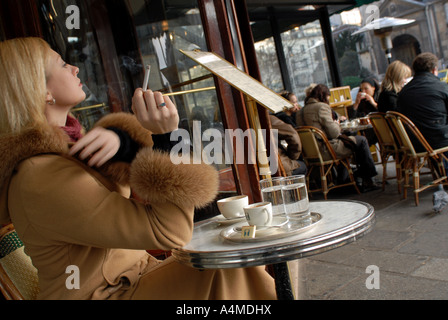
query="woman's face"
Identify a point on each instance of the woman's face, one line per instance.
(367, 88)
(63, 83)
(295, 103)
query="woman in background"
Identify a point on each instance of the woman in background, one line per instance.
(289, 116)
(366, 100)
(68, 194)
(318, 113)
(365, 103)
(397, 74)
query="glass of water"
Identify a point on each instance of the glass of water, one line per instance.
(295, 197)
(271, 191)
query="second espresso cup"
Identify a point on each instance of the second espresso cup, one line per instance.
(259, 214)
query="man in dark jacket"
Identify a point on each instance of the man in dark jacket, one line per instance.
(424, 100)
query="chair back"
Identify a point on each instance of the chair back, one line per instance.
(382, 130)
(402, 126)
(18, 276)
(311, 149)
(340, 96)
(340, 99)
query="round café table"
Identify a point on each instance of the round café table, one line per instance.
(341, 222)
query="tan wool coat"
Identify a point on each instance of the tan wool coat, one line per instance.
(318, 114)
(68, 214)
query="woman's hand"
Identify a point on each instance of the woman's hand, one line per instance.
(364, 96)
(155, 112)
(370, 99)
(359, 97)
(100, 145)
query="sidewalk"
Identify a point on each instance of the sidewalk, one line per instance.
(408, 244)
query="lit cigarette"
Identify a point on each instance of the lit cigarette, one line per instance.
(146, 81)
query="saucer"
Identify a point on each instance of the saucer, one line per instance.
(224, 221)
(285, 228)
(277, 222)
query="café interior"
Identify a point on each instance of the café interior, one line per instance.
(114, 40)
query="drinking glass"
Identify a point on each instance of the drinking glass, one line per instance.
(271, 191)
(295, 197)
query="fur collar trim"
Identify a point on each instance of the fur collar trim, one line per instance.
(16, 148)
(152, 175)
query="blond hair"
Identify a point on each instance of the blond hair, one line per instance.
(23, 88)
(309, 89)
(395, 73)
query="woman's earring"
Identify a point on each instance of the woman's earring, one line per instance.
(52, 102)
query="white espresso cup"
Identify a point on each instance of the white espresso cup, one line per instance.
(259, 214)
(233, 207)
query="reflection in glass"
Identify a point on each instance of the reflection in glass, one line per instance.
(305, 58)
(77, 47)
(171, 71)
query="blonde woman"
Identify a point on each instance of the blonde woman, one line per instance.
(396, 76)
(72, 206)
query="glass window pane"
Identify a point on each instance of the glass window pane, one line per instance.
(268, 61)
(306, 57)
(77, 46)
(160, 39)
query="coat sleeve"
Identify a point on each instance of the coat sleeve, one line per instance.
(289, 134)
(64, 202)
(331, 128)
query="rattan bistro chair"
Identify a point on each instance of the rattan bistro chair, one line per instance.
(18, 276)
(314, 159)
(388, 147)
(415, 161)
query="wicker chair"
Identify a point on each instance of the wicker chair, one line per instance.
(314, 159)
(415, 160)
(388, 147)
(18, 276)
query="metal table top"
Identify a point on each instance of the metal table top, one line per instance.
(356, 128)
(342, 222)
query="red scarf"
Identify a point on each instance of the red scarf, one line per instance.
(73, 128)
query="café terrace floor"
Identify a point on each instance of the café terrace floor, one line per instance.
(408, 244)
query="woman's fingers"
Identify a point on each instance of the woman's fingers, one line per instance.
(99, 146)
(155, 112)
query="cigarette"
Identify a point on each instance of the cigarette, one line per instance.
(146, 81)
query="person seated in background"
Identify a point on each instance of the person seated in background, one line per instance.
(397, 74)
(366, 102)
(318, 113)
(336, 116)
(288, 115)
(289, 154)
(424, 100)
(366, 99)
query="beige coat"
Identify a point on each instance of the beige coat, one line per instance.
(68, 214)
(318, 114)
